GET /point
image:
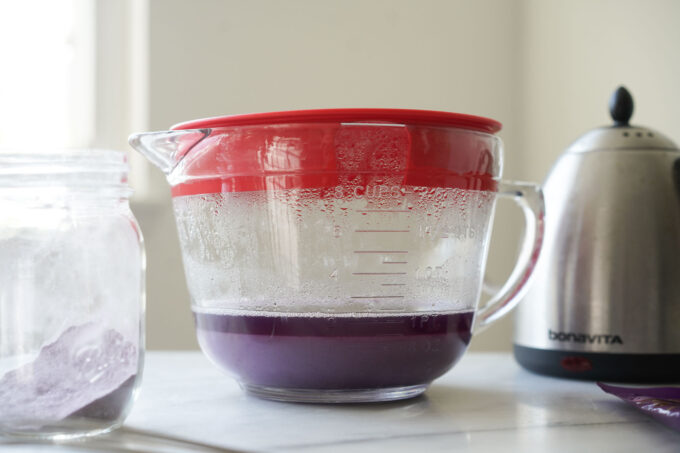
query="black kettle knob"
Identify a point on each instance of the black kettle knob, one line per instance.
(621, 106)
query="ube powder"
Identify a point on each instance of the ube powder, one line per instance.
(86, 373)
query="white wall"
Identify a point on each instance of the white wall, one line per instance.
(574, 53)
(543, 68)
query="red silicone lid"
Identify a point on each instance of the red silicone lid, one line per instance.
(405, 116)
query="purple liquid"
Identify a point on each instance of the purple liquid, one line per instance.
(335, 352)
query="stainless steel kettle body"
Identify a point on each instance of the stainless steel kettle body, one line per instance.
(605, 302)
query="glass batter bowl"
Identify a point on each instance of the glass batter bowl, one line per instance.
(338, 255)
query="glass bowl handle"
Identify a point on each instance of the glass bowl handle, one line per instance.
(530, 198)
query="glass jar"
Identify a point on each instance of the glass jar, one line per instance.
(71, 293)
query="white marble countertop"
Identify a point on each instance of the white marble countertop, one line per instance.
(486, 403)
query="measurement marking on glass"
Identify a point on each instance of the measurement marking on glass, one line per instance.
(382, 231)
(393, 284)
(395, 262)
(376, 297)
(378, 273)
(380, 251)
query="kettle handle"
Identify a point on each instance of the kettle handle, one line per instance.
(529, 197)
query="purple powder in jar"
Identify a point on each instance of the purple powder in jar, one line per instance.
(88, 372)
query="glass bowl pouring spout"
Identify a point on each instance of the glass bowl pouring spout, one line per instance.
(166, 149)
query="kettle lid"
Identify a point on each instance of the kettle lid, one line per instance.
(621, 135)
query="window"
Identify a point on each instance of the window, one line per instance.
(47, 73)
(73, 75)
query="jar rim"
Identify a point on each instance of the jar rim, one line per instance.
(73, 169)
(17, 161)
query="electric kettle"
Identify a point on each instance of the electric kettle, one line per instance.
(605, 302)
